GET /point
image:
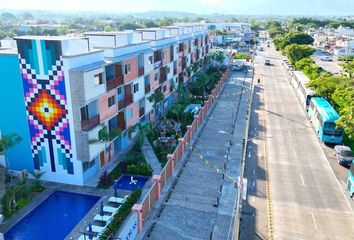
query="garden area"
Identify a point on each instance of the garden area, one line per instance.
(20, 192)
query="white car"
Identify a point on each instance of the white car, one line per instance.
(343, 154)
(326, 58)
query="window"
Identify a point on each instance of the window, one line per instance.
(136, 87)
(119, 91)
(129, 114)
(168, 70)
(89, 111)
(164, 89)
(127, 68)
(111, 101)
(87, 165)
(98, 79)
(163, 54)
(155, 76)
(150, 60)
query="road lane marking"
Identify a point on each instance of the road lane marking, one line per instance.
(254, 184)
(254, 171)
(289, 133)
(295, 152)
(253, 198)
(302, 179)
(314, 221)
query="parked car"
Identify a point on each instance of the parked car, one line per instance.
(260, 48)
(326, 58)
(343, 154)
(267, 61)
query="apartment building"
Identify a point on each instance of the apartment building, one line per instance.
(58, 93)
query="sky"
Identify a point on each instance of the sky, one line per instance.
(244, 7)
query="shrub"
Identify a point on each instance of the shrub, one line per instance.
(106, 179)
(141, 169)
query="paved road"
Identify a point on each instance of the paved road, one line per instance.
(330, 66)
(189, 213)
(307, 201)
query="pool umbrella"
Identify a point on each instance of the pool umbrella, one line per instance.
(115, 191)
(101, 210)
(90, 233)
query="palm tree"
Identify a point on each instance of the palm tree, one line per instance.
(105, 137)
(7, 142)
(143, 130)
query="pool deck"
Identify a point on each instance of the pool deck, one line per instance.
(52, 187)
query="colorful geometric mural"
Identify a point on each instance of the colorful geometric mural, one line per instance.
(46, 103)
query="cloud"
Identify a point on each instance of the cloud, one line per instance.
(210, 2)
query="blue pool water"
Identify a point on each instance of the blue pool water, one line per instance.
(54, 218)
(124, 182)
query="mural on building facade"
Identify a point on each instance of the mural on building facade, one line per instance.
(42, 73)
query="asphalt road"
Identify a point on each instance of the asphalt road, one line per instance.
(306, 198)
(330, 66)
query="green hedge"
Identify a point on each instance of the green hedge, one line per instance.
(121, 215)
(141, 169)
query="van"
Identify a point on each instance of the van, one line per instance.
(343, 154)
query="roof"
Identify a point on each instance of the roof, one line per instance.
(56, 38)
(89, 67)
(327, 112)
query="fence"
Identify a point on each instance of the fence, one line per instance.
(160, 180)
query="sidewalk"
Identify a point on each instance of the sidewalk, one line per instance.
(151, 157)
(200, 204)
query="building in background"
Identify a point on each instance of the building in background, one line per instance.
(60, 92)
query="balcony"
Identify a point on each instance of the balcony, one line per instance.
(87, 125)
(180, 53)
(126, 101)
(115, 82)
(157, 64)
(141, 112)
(141, 71)
(163, 75)
(147, 89)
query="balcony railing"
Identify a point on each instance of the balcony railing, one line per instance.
(115, 82)
(181, 53)
(125, 102)
(157, 64)
(141, 112)
(147, 88)
(141, 71)
(87, 125)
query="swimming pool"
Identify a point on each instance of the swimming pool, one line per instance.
(54, 218)
(125, 182)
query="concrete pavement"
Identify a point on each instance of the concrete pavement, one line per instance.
(201, 205)
(307, 201)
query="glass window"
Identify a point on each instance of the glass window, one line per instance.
(84, 113)
(127, 68)
(155, 76)
(129, 114)
(98, 79)
(150, 60)
(136, 87)
(111, 101)
(87, 165)
(164, 89)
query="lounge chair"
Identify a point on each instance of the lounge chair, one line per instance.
(97, 229)
(110, 209)
(83, 237)
(117, 200)
(104, 218)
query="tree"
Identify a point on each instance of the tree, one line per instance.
(7, 142)
(298, 38)
(36, 185)
(349, 68)
(105, 136)
(325, 86)
(297, 52)
(156, 97)
(107, 28)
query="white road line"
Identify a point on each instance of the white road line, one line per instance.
(295, 152)
(289, 133)
(314, 221)
(253, 198)
(254, 171)
(254, 184)
(302, 179)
